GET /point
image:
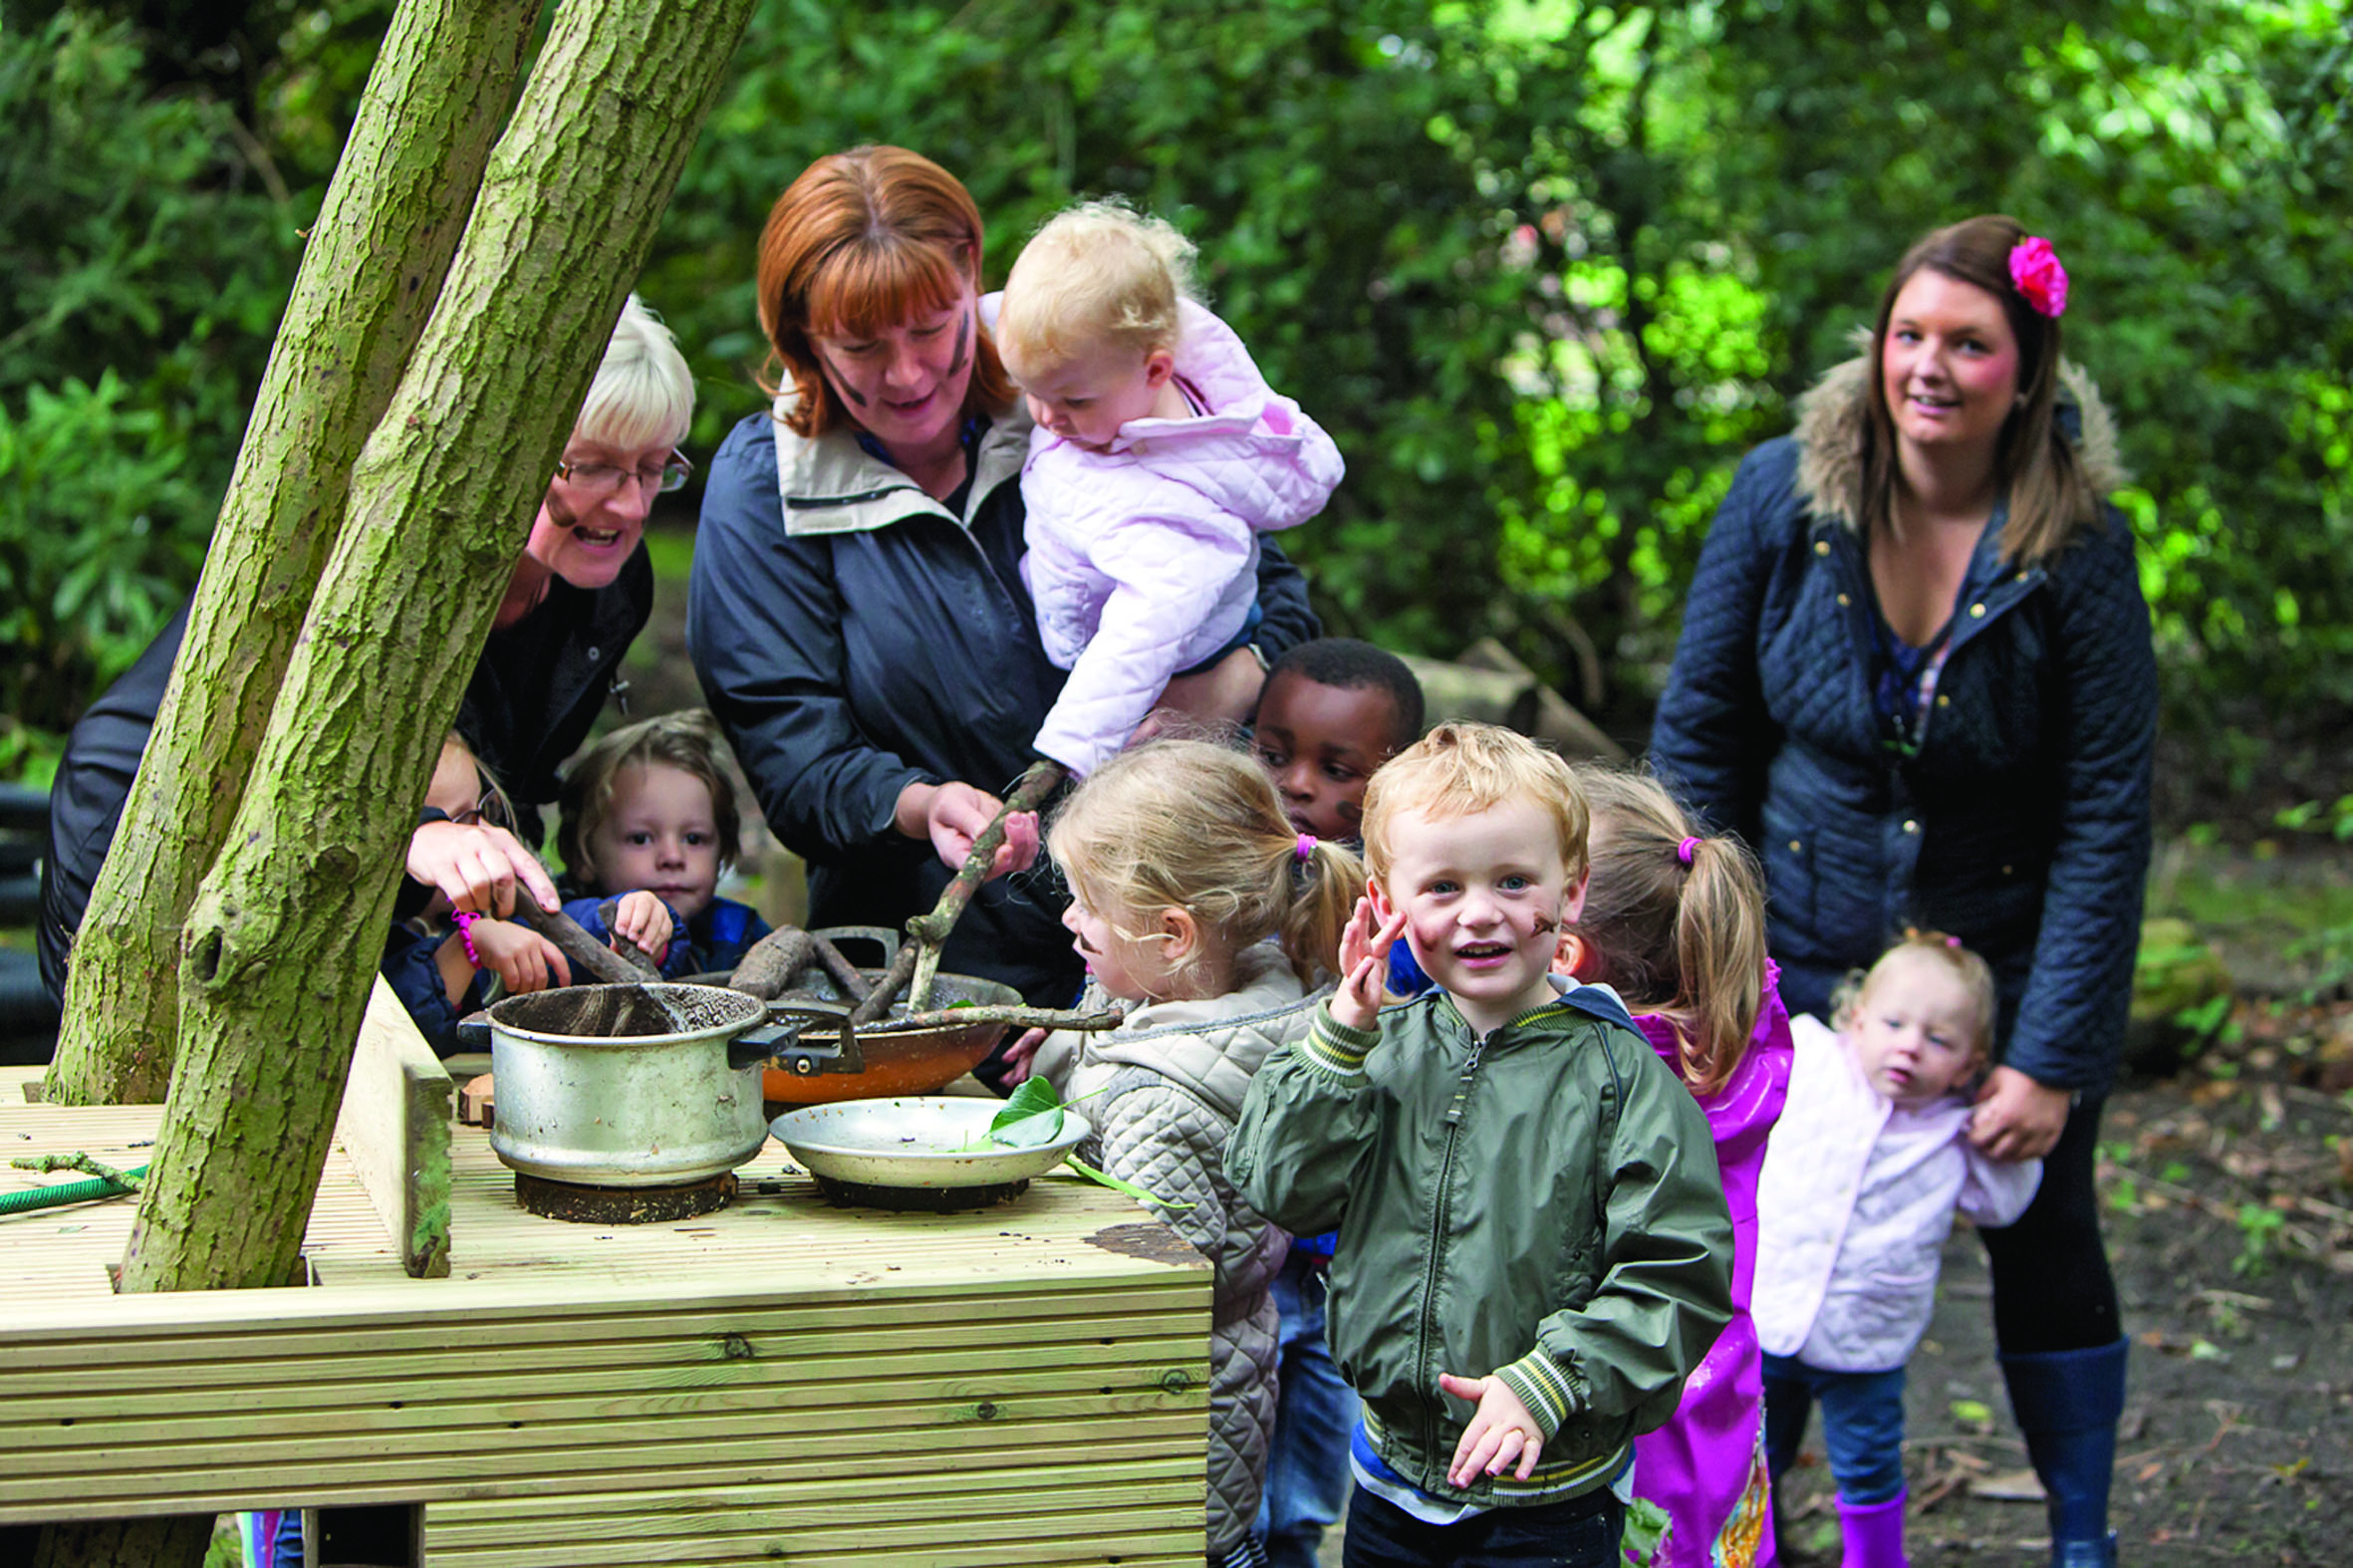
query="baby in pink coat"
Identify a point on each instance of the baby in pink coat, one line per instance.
(1158, 458)
(1870, 1161)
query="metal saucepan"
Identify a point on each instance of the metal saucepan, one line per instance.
(643, 1084)
(916, 1143)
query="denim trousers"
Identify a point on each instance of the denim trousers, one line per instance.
(1862, 1424)
(1580, 1533)
(1307, 1462)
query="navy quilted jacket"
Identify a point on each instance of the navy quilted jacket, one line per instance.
(2022, 822)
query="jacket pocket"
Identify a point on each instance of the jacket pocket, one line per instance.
(1787, 854)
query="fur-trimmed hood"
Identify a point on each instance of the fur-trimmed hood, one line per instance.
(1835, 412)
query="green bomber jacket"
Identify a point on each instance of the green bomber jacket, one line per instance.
(1542, 1205)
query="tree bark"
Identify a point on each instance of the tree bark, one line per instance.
(285, 932)
(369, 275)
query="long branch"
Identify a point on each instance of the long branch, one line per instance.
(931, 931)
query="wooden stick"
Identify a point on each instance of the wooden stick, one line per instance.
(582, 951)
(930, 930)
(837, 966)
(128, 1181)
(1017, 1017)
(772, 963)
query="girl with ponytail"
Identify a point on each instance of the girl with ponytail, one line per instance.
(1674, 921)
(1182, 866)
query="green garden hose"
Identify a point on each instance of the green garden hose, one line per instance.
(65, 1193)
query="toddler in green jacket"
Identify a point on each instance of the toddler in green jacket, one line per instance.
(1534, 1251)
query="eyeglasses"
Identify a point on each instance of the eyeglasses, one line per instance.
(491, 811)
(604, 478)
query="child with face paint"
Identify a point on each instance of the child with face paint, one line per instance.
(1860, 1183)
(1158, 458)
(1534, 1251)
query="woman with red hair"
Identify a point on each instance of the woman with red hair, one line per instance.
(856, 615)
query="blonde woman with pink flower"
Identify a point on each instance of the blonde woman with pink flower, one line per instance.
(1916, 674)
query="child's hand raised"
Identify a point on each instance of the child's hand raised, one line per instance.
(1364, 964)
(523, 960)
(1500, 1430)
(1018, 1058)
(642, 921)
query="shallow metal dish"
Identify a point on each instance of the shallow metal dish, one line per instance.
(916, 1142)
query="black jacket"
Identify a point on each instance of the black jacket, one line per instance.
(878, 641)
(2021, 822)
(534, 694)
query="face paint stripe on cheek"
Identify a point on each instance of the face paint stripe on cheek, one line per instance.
(963, 345)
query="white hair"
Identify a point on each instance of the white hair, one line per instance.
(643, 393)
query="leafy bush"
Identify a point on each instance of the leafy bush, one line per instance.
(142, 265)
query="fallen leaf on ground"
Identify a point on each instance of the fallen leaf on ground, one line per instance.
(2009, 1487)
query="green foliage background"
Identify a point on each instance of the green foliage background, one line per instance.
(1546, 268)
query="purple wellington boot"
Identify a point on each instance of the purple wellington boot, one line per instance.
(1873, 1533)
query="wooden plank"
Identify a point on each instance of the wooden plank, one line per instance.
(310, 1378)
(394, 1127)
(839, 1383)
(246, 1480)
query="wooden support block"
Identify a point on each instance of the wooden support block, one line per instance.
(394, 1127)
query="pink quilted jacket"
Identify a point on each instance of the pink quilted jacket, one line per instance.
(1143, 558)
(1853, 1207)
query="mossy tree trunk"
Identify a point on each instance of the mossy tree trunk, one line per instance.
(370, 272)
(284, 935)
(284, 932)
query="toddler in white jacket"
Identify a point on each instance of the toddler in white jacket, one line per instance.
(1159, 456)
(1870, 1159)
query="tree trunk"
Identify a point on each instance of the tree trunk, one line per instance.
(444, 82)
(286, 931)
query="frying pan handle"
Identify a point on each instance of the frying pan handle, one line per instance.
(880, 935)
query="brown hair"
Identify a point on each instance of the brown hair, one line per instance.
(1199, 827)
(688, 741)
(1683, 940)
(2036, 466)
(863, 241)
(1937, 947)
(1460, 768)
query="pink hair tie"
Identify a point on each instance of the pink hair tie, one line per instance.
(1306, 845)
(1685, 850)
(1953, 943)
(465, 933)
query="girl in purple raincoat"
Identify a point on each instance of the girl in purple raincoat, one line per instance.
(1675, 923)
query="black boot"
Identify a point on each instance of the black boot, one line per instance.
(2067, 1404)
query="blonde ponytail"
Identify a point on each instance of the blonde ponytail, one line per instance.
(1674, 921)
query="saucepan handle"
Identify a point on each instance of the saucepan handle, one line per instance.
(755, 1045)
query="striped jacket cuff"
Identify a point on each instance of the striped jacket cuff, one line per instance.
(1544, 1387)
(1334, 1046)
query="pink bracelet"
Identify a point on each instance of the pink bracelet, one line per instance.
(465, 933)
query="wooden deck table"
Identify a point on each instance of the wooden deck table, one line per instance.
(777, 1381)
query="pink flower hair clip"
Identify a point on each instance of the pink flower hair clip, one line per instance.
(2036, 270)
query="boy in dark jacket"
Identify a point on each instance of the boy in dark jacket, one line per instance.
(1534, 1251)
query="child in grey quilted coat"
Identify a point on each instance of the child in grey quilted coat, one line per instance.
(1182, 865)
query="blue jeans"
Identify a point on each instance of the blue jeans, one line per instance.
(1580, 1533)
(1307, 1462)
(1862, 1425)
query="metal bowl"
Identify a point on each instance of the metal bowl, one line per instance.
(917, 1142)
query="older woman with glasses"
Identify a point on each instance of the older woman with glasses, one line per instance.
(581, 592)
